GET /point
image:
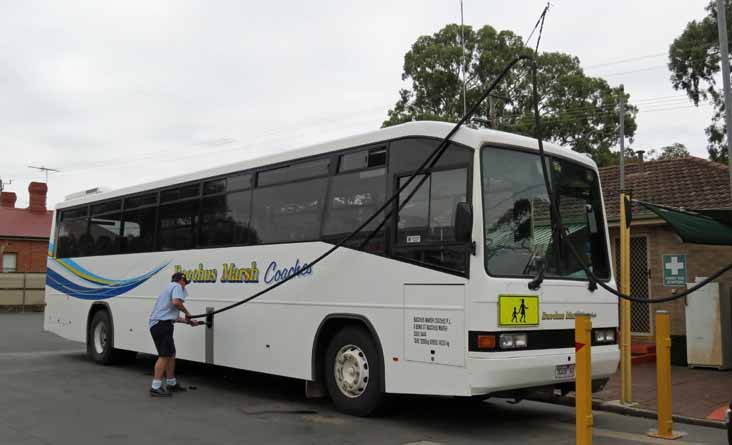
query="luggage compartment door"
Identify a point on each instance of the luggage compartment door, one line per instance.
(434, 323)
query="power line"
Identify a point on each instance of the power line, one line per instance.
(668, 99)
(641, 104)
(643, 57)
(630, 59)
(253, 143)
(650, 68)
(577, 117)
(263, 137)
(570, 112)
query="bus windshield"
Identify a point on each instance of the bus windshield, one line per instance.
(517, 221)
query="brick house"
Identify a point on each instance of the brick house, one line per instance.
(24, 233)
(691, 183)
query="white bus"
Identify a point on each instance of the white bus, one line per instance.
(433, 301)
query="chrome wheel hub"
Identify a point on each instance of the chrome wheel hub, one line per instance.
(351, 371)
(100, 338)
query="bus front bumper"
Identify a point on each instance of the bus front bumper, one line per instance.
(505, 371)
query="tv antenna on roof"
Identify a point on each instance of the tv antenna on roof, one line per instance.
(45, 170)
(3, 184)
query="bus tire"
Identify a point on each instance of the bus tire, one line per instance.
(100, 341)
(352, 372)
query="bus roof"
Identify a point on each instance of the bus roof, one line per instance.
(466, 136)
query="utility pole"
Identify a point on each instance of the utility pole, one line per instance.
(462, 40)
(621, 118)
(492, 111)
(45, 170)
(724, 60)
(626, 385)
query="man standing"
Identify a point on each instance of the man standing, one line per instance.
(164, 314)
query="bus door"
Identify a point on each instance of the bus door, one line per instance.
(434, 307)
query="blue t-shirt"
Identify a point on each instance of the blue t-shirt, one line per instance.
(164, 308)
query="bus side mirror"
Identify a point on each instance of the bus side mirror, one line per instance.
(463, 222)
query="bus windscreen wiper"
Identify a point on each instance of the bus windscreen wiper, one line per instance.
(535, 284)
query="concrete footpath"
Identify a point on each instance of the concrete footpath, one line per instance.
(696, 393)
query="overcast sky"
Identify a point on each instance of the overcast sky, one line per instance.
(118, 93)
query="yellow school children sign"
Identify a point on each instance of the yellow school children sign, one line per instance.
(518, 310)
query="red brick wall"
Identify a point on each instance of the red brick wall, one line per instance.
(31, 255)
(701, 261)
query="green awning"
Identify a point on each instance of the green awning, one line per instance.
(696, 226)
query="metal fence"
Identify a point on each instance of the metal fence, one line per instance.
(640, 313)
(22, 290)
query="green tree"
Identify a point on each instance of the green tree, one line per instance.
(694, 62)
(673, 151)
(577, 110)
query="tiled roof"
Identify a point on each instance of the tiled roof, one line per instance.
(689, 182)
(22, 223)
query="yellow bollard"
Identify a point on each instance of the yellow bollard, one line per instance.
(583, 379)
(663, 378)
(626, 392)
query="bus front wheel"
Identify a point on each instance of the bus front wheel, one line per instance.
(352, 372)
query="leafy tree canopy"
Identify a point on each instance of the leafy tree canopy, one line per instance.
(577, 110)
(694, 62)
(673, 151)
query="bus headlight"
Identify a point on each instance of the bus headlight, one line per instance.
(512, 341)
(605, 336)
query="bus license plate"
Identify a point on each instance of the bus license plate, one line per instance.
(564, 372)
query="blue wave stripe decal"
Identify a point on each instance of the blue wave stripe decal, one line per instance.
(83, 273)
(61, 284)
(86, 275)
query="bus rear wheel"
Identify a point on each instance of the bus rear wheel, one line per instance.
(100, 341)
(352, 372)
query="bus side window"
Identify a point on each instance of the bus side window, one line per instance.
(138, 230)
(72, 229)
(288, 213)
(177, 224)
(426, 223)
(430, 214)
(352, 199)
(225, 219)
(138, 223)
(105, 226)
(406, 155)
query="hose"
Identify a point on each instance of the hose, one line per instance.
(427, 164)
(431, 161)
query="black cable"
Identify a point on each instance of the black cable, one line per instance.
(541, 29)
(538, 21)
(557, 226)
(426, 165)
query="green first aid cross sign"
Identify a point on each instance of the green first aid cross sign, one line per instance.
(674, 270)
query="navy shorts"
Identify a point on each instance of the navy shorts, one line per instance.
(162, 334)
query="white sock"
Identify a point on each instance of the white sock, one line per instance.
(171, 382)
(156, 384)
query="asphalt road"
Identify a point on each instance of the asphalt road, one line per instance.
(50, 393)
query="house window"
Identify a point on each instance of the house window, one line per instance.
(10, 262)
